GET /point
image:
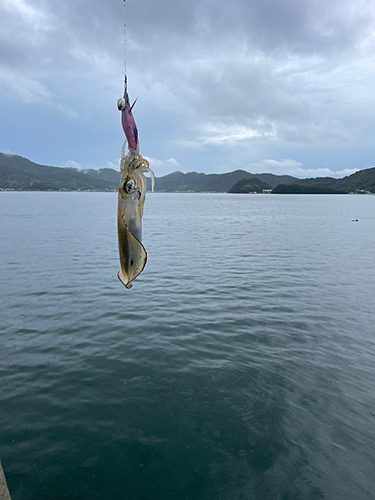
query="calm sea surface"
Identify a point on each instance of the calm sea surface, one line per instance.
(241, 365)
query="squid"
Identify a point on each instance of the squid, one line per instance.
(131, 199)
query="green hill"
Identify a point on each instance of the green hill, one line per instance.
(220, 183)
(107, 174)
(363, 180)
(21, 174)
(252, 185)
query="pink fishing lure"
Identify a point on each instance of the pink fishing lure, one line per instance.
(128, 123)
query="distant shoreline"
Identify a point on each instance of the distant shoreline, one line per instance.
(172, 192)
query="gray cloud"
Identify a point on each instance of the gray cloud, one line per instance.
(231, 79)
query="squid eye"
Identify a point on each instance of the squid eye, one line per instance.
(121, 104)
(130, 186)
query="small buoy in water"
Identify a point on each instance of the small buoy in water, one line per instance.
(354, 220)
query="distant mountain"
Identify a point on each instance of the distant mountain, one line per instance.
(361, 181)
(107, 174)
(220, 183)
(252, 185)
(178, 182)
(21, 174)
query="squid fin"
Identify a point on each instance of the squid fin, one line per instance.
(132, 106)
(133, 257)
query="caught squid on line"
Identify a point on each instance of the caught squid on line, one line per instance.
(131, 198)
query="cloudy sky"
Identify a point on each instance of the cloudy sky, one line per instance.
(281, 86)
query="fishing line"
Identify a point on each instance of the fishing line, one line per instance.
(125, 78)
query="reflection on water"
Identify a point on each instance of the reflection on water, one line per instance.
(240, 365)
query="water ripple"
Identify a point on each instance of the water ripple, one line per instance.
(240, 365)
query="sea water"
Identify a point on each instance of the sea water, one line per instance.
(241, 365)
